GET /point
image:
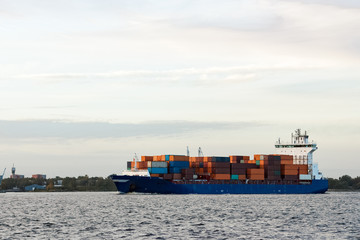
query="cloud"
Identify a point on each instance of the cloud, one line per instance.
(197, 76)
(58, 129)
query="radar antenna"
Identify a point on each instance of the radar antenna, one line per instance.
(187, 151)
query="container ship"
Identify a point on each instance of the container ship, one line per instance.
(289, 171)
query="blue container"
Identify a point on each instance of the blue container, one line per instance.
(201, 165)
(179, 164)
(175, 170)
(167, 157)
(221, 159)
(158, 170)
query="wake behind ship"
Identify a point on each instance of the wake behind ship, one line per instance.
(290, 171)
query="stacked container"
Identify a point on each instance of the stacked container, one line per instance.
(235, 167)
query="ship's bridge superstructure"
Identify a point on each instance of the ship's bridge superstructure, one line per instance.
(302, 151)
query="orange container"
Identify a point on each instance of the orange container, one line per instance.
(192, 159)
(288, 162)
(178, 158)
(220, 176)
(289, 167)
(199, 159)
(142, 165)
(146, 158)
(242, 177)
(255, 171)
(289, 172)
(260, 157)
(256, 177)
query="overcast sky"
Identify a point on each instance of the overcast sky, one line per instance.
(86, 84)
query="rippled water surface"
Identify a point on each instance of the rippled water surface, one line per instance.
(113, 216)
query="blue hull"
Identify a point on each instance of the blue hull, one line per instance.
(141, 184)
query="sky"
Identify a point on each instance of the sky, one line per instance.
(86, 84)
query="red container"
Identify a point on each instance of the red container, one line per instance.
(238, 171)
(177, 176)
(217, 164)
(219, 170)
(243, 165)
(168, 176)
(178, 158)
(188, 171)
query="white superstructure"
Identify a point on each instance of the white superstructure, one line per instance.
(302, 151)
(144, 173)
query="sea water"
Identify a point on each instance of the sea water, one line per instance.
(109, 215)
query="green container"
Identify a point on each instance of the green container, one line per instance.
(242, 161)
(258, 162)
(234, 177)
(277, 173)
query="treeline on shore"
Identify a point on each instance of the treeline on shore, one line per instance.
(86, 183)
(58, 184)
(344, 183)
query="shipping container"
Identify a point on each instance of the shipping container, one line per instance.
(179, 164)
(255, 172)
(217, 164)
(238, 158)
(219, 170)
(256, 177)
(234, 177)
(243, 165)
(158, 170)
(219, 159)
(242, 177)
(178, 158)
(175, 170)
(188, 171)
(289, 172)
(146, 158)
(273, 177)
(305, 176)
(238, 171)
(291, 177)
(157, 164)
(220, 176)
(128, 165)
(168, 176)
(142, 165)
(177, 176)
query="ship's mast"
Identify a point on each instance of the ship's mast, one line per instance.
(136, 159)
(200, 153)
